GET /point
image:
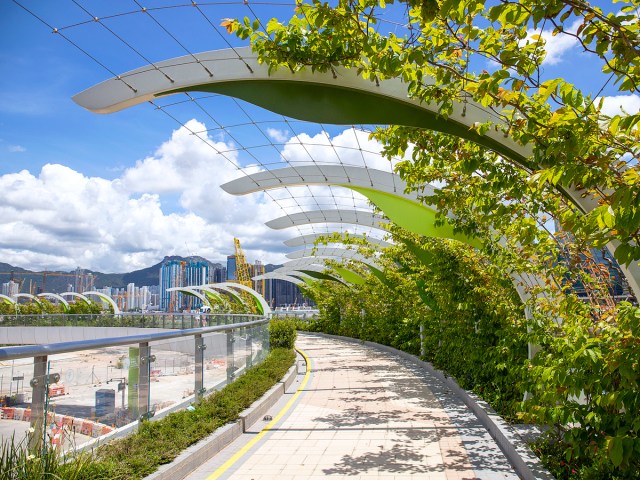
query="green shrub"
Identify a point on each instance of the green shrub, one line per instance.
(282, 333)
(159, 442)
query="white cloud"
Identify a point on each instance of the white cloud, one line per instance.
(59, 218)
(555, 46)
(280, 136)
(350, 147)
(615, 105)
(17, 149)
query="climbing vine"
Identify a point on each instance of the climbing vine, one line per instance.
(527, 211)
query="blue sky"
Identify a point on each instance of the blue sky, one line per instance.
(80, 189)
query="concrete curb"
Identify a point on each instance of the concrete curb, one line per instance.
(524, 461)
(200, 452)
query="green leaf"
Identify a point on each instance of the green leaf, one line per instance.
(615, 450)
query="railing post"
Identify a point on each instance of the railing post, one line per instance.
(267, 340)
(231, 368)
(199, 354)
(144, 389)
(249, 340)
(422, 349)
(38, 397)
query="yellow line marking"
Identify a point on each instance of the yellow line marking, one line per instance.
(240, 453)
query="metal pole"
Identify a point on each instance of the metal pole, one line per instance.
(199, 371)
(39, 385)
(422, 349)
(143, 381)
(250, 342)
(230, 358)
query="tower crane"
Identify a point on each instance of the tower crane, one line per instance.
(46, 274)
(243, 276)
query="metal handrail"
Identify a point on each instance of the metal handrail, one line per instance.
(26, 351)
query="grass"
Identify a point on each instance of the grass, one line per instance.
(16, 463)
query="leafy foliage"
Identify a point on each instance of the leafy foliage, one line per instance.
(282, 333)
(471, 321)
(46, 307)
(582, 173)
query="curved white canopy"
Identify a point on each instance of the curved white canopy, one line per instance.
(106, 298)
(225, 288)
(190, 291)
(27, 295)
(266, 309)
(347, 175)
(207, 289)
(240, 64)
(7, 299)
(56, 296)
(76, 295)
(341, 253)
(277, 276)
(310, 239)
(356, 217)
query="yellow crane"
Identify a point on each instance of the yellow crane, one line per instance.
(243, 276)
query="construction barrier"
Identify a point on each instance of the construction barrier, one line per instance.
(77, 424)
(56, 436)
(56, 390)
(87, 428)
(96, 430)
(58, 421)
(8, 412)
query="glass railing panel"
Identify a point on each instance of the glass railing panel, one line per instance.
(15, 398)
(87, 395)
(214, 360)
(15, 376)
(172, 373)
(240, 347)
(256, 349)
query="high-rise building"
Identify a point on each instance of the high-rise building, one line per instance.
(231, 268)
(598, 262)
(219, 274)
(279, 293)
(170, 277)
(144, 295)
(83, 281)
(256, 270)
(176, 273)
(131, 302)
(10, 288)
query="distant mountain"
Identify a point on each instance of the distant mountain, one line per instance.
(58, 281)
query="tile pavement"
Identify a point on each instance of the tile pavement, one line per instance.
(366, 414)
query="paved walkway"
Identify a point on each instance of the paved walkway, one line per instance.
(364, 414)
